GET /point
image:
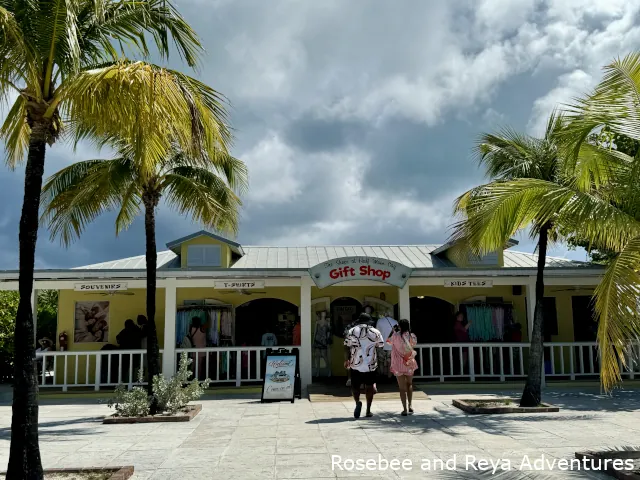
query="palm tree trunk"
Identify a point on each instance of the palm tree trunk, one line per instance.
(24, 455)
(532, 394)
(153, 351)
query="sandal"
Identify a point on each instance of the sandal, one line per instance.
(369, 415)
(404, 413)
(410, 411)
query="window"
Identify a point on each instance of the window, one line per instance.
(203, 256)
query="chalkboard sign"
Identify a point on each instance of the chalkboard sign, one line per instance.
(280, 377)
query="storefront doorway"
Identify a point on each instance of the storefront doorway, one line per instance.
(257, 318)
(344, 310)
(431, 319)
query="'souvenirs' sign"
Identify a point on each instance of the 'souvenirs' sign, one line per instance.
(100, 286)
(359, 268)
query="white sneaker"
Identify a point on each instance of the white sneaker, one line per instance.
(348, 382)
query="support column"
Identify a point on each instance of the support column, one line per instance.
(305, 332)
(34, 310)
(531, 305)
(169, 354)
(531, 311)
(404, 303)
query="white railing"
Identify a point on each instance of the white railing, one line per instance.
(236, 365)
(103, 368)
(502, 361)
(227, 364)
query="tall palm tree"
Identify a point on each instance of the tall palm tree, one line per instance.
(59, 58)
(488, 222)
(593, 194)
(614, 106)
(207, 192)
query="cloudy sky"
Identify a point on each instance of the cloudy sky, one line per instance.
(357, 118)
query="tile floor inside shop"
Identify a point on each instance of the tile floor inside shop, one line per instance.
(243, 439)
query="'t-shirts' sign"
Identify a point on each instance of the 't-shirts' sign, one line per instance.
(464, 283)
(359, 268)
(239, 285)
(279, 377)
(100, 287)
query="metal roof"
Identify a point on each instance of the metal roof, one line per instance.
(302, 258)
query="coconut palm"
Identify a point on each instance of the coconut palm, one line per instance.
(592, 194)
(207, 192)
(614, 107)
(490, 219)
(60, 59)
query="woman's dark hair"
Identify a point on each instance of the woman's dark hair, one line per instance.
(404, 325)
(128, 323)
(196, 322)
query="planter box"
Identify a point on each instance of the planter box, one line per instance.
(599, 457)
(184, 416)
(112, 473)
(499, 405)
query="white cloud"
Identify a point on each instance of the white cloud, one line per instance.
(569, 86)
(272, 178)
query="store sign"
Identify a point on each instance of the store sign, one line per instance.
(464, 283)
(359, 268)
(100, 287)
(279, 377)
(239, 285)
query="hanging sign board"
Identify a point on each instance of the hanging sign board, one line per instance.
(279, 379)
(468, 283)
(359, 268)
(100, 287)
(238, 284)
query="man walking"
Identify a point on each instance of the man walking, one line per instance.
(360, 343)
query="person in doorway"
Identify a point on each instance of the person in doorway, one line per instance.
(129, 336)
(129, 339)
(297, 332)
(198, 338)
(403, 362)
(360, 343)
(461, 335)
(144, 333)
(385, 325)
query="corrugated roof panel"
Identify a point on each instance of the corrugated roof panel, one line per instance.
(414, 256)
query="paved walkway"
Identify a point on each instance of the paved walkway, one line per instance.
(243, 439)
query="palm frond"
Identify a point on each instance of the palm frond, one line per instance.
(204, 196)
(15, 131)
(148, 107)
(617, 307)
(79, 193)
(496, 211)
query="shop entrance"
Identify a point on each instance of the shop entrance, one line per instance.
(259, 321)
(431, 319)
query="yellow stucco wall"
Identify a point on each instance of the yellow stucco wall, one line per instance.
(225, 250)
(121, 307)
(125, 306)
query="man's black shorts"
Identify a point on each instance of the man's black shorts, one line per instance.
(362, 378)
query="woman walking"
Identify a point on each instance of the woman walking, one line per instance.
(403, 362)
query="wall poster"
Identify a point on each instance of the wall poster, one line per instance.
(91, 322)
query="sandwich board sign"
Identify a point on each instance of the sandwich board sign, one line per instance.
(281, 377)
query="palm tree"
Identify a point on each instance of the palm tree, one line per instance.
(207, 192)
(613, 107)
(489, 221)
(60, 59)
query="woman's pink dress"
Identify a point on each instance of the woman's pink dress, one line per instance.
(400, 343)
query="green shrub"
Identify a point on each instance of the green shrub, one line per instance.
(133, 403)
(172, 395)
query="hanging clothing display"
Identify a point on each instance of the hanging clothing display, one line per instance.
(488, 322)
(217, 321)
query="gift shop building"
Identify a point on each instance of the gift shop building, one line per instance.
(244, 299)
